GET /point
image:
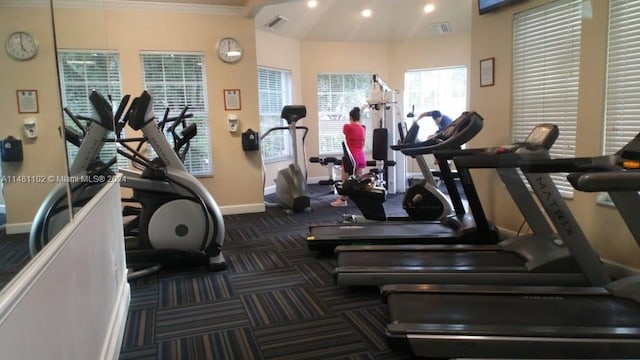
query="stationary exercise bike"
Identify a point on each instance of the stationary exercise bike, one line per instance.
(291, 182)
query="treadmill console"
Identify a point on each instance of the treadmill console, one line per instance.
(543, 135)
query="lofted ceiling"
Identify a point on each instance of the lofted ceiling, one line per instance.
(340, 20)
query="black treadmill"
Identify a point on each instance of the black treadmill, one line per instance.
(456, 228)
(541, 258)
(451, 321)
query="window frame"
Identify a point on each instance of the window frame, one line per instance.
(330, 123)
(622, 87)
(546, 76)
(198, 106)
(270, 112)
(415, 96)
(107, 81)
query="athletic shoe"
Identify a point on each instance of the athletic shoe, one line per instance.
(339, 203)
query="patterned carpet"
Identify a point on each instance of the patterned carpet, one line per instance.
(276, 300)
(14, 255)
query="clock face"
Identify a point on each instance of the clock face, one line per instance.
(229, 50)
(21, 46)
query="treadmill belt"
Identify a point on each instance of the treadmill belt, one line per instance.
(517, 315)
(383, 230)
(435, 260)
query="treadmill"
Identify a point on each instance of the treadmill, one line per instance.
(458, 227)
(451, 321)
(543, 257)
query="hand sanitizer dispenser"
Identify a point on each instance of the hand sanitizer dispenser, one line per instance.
(31, 128)
(233, 123)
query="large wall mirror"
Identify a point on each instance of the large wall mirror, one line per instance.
(46, 97)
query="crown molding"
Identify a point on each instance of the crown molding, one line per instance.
(129, 4)
(24, 3)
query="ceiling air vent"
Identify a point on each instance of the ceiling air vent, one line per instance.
(276, 22)
(440, 28)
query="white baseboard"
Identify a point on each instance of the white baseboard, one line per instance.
(270, 190)
(21, 228)
(18, 228)
(242, 209)
(114, 338)
(315, 180)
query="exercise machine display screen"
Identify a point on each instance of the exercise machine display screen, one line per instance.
(542, 135)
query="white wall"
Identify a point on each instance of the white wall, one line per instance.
(71, 301)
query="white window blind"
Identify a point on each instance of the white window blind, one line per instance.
(274, 92)
(81, 72)
(546, 61)
(622, 112)
(337, 95)
(622, 104)
(176, 80)
(442, 89)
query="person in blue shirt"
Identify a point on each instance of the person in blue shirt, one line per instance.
(442, 121)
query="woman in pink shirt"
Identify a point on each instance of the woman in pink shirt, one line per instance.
(354, 134)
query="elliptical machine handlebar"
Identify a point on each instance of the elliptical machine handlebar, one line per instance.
(304, 134)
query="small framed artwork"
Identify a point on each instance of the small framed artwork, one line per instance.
(27, 101)
(486, 72)
(232, 99)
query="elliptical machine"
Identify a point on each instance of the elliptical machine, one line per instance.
(291, 183)
(180, 224)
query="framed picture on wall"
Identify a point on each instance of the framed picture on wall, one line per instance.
(486, 72)
(27, 101)
(232, 99)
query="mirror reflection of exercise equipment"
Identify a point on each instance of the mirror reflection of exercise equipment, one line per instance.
(53, 213)
(291, 182)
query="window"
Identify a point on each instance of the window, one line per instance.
(442, 89)
(623, 77)
(81, 72)
(337, 95)
(274, 92)
(176, 80)
(546, 61)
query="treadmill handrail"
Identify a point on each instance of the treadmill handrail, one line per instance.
(620, 180)
(459, 132)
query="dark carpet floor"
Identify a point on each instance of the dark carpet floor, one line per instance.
(275, 300)
(14, 255)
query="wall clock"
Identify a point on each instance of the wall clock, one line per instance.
(21, 46)
(229, 50)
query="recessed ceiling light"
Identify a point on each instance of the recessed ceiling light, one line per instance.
(429, 8)
(366, 12)
(312, 3)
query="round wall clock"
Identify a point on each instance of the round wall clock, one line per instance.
(21, 46)
(229, 50)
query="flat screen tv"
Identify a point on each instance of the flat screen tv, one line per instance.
(486, 6)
